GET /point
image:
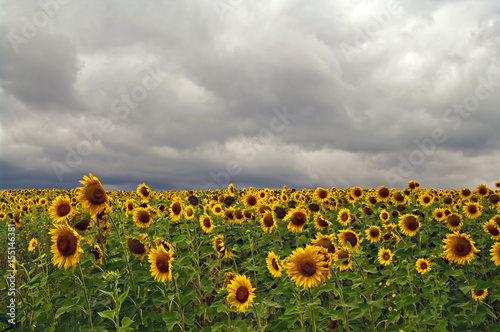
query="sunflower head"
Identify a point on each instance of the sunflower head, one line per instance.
(383, 194)
(321, 223)
(307, 267)
(60, 209)
(161, 264)
(409, 224)
(297, 218)
(373, 234)
(472, 210)
(423, 265)
(349, 238)
(142, 217)
(65, 247)
(206, 223)
(479, 294)
(342, 259)
(92, 195)
(144, 192)
(385, 256)
(459, 248)
(267, 222)
(273, 264)
(325, 241)
(33, 244)
(344, 217)
(241, 293)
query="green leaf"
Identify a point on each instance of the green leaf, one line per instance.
(170, 318)
(123, 296)
(109, 314)
(126, 321)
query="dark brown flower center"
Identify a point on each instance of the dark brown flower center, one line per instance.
(423, 265)
(426, 199)
(82, 225)
(268, 220)
(383, 192)
(322, 194)
(95, 194)
(136, 246)
(298, 218)
(219, 246)
(143, 217)
(144, 191)
(162, 264)
(63, 209)
(351, 238)
(479, 292)
(357, 193)
(386, 256)
(176, 208)
(472, 209)
(251, 200)
(275, 264)
(461, 247)
(493, 230)
(344, 216)
(242, 294)
(326, 243)
(344, 254)
(321, 222)
(374, 232)
(453, 220)
(66, 244)
(411, 223)
(307, 267)
(206, 222)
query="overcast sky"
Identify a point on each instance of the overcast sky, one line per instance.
(198, 94)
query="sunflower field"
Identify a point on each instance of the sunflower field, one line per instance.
(353, 259)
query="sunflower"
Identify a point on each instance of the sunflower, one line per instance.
(439, 214)
(479, 294)
(459, 247)
(142, 218)
(33, 244)
(206, 223)
(298, 217)
(409, 224)
(454, 222)
(491, 228)
(144, 192)
(176, 209)
(426, 199)
(267, 222)
(189, 213)
(273, 264)
(344, 254)
(228, 277)
(356, 193)
(129, 206)
(307, 267)
(373, 234)
(161, 264)
(137, 247)
(423, 265)
(483, 190)
(472, 210)
(66, 246)
(217, 209)
(220, 247)
(496, 219)
(241, 293)
(92, 195)
(348, 237)
(465, 193)
(321, 195)
(384, 215)
(231, 190)
(60, 209)
(168, 247)
(97, 252)
(344, 217)
(385, 256)
(325, 241)
(320, 223)
(495, 253)
(383, 194)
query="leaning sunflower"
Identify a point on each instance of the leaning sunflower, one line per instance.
(491, 228)
(423, 265)
(273, 264)
(220, 247)
(325, 241)
(321, 223)
(349, 237)
(343, 253)
(297, 218)
(241, 293)
(479, 294)
(66, 246)
(92, 195)
(60, 209)
(495, 253)
(144, 192)
(459, 247)
(307, 267)
(409, 224)
(161, 264)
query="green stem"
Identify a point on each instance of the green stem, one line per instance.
(256, 315)
(87, 296)
(341, 294)
(312, 311)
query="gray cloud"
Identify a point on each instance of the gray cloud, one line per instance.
(187, 95)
